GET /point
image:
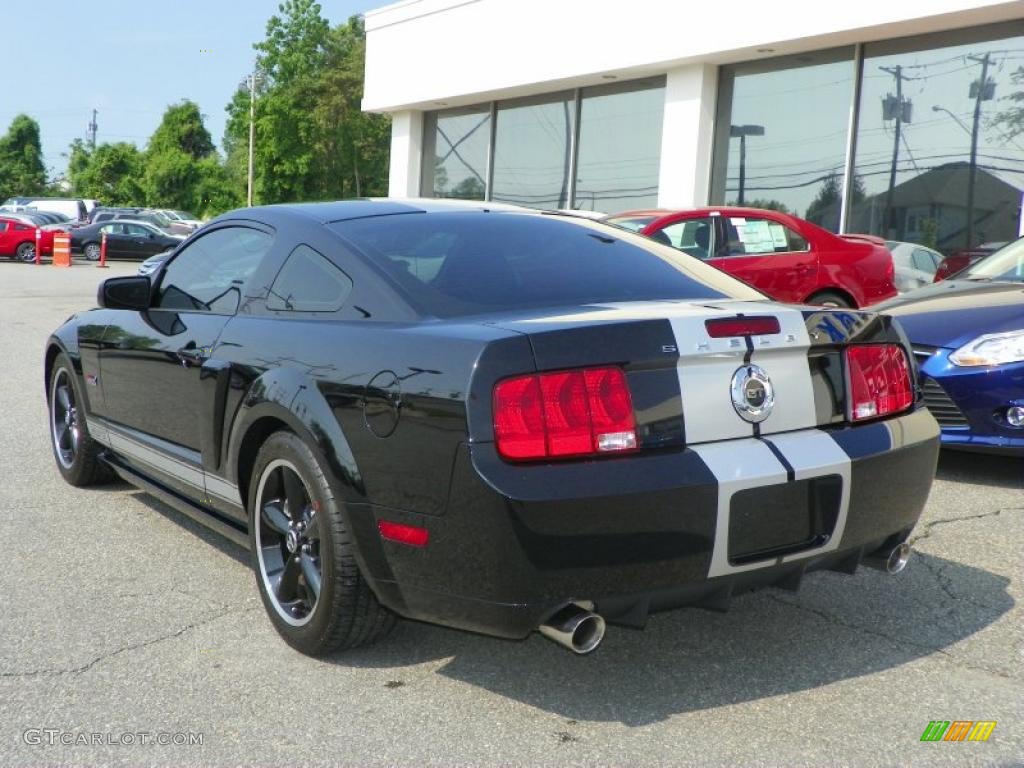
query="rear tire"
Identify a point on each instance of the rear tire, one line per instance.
(298, 537)
(92, 252)
(77, 454)
(26, 253)
(830, 299)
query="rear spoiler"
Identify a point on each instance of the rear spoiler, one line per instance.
(874, 239)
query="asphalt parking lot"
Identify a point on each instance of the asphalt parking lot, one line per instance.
(122, 617)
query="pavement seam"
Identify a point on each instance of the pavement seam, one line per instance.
(125, 649)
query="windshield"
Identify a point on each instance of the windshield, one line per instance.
(632, 223)
(1006, 264)
(467, 263)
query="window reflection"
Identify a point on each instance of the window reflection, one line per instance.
(532, 156)
(456, 152)
(619, 153)
(782, 134)
(923, 108)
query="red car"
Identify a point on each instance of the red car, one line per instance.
(18, 240)
(787, 258)
(961, 260)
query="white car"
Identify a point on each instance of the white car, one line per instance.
(914, 264)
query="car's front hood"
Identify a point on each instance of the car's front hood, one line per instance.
(952, 312)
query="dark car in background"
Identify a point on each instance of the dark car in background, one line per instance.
(496, 420)
(125, 240)
(788, 258)
(155, 218)
(968, 335)
(962, 259)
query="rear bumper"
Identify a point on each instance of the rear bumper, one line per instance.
(692, 527)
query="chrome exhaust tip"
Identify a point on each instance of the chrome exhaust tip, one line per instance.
(891, 561)
(576, 628)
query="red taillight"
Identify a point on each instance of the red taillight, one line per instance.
(564, 413)
(724, 327)
(412, 535)
(879, 381)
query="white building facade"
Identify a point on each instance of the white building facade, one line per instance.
(826, 110)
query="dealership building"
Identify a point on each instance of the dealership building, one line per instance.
(904, 119)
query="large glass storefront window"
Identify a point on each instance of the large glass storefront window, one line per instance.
(781, 134)
(456, 143)
(532, 152)
(940, 139)
(619, 154)
(596, 149)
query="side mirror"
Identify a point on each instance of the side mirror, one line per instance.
(124, 293)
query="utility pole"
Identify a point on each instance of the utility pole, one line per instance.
(92, 132)
(982, 92)
(899, 110)
(252, 131)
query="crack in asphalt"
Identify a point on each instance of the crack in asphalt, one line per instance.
(124, 649)
(838, 621)
(944, 584)
(927, 530)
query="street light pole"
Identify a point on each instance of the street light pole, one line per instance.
(252, 132)
(742, 131)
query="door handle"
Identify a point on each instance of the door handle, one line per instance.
(190, 354)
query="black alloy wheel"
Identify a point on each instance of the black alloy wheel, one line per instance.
(77, 454)
(288, 537)
(303, 554)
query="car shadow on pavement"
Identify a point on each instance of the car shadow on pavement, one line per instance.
(981, 469)
(771, 642)
(212, 538)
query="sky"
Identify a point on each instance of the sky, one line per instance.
(130, 60)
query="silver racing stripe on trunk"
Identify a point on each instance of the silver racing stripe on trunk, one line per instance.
(707, 365)
(739, 465)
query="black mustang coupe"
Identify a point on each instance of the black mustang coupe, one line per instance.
(490, 418)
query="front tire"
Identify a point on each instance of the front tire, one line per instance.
(303, 555)
(77, 454)
(26, 253)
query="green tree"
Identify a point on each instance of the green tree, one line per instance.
(181, 166)
(113, 173)
(1011, 120)
(767, 204)
(824, 208)
(181, 130)
(21, 159)
(313, 141)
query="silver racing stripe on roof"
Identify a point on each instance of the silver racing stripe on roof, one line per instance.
(739, 465)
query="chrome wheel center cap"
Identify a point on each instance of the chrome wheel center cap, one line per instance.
(292, 541)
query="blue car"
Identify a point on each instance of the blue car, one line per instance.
(968, 337)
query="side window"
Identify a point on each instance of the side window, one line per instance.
(3, 226)
(208, 275)
(922, 260)
(693, 236)
(309, 282)
(755, 236)
(135, 230)
(110, 229)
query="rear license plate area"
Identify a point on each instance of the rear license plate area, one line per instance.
(777, 520)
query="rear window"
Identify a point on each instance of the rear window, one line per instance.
(465, 263)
